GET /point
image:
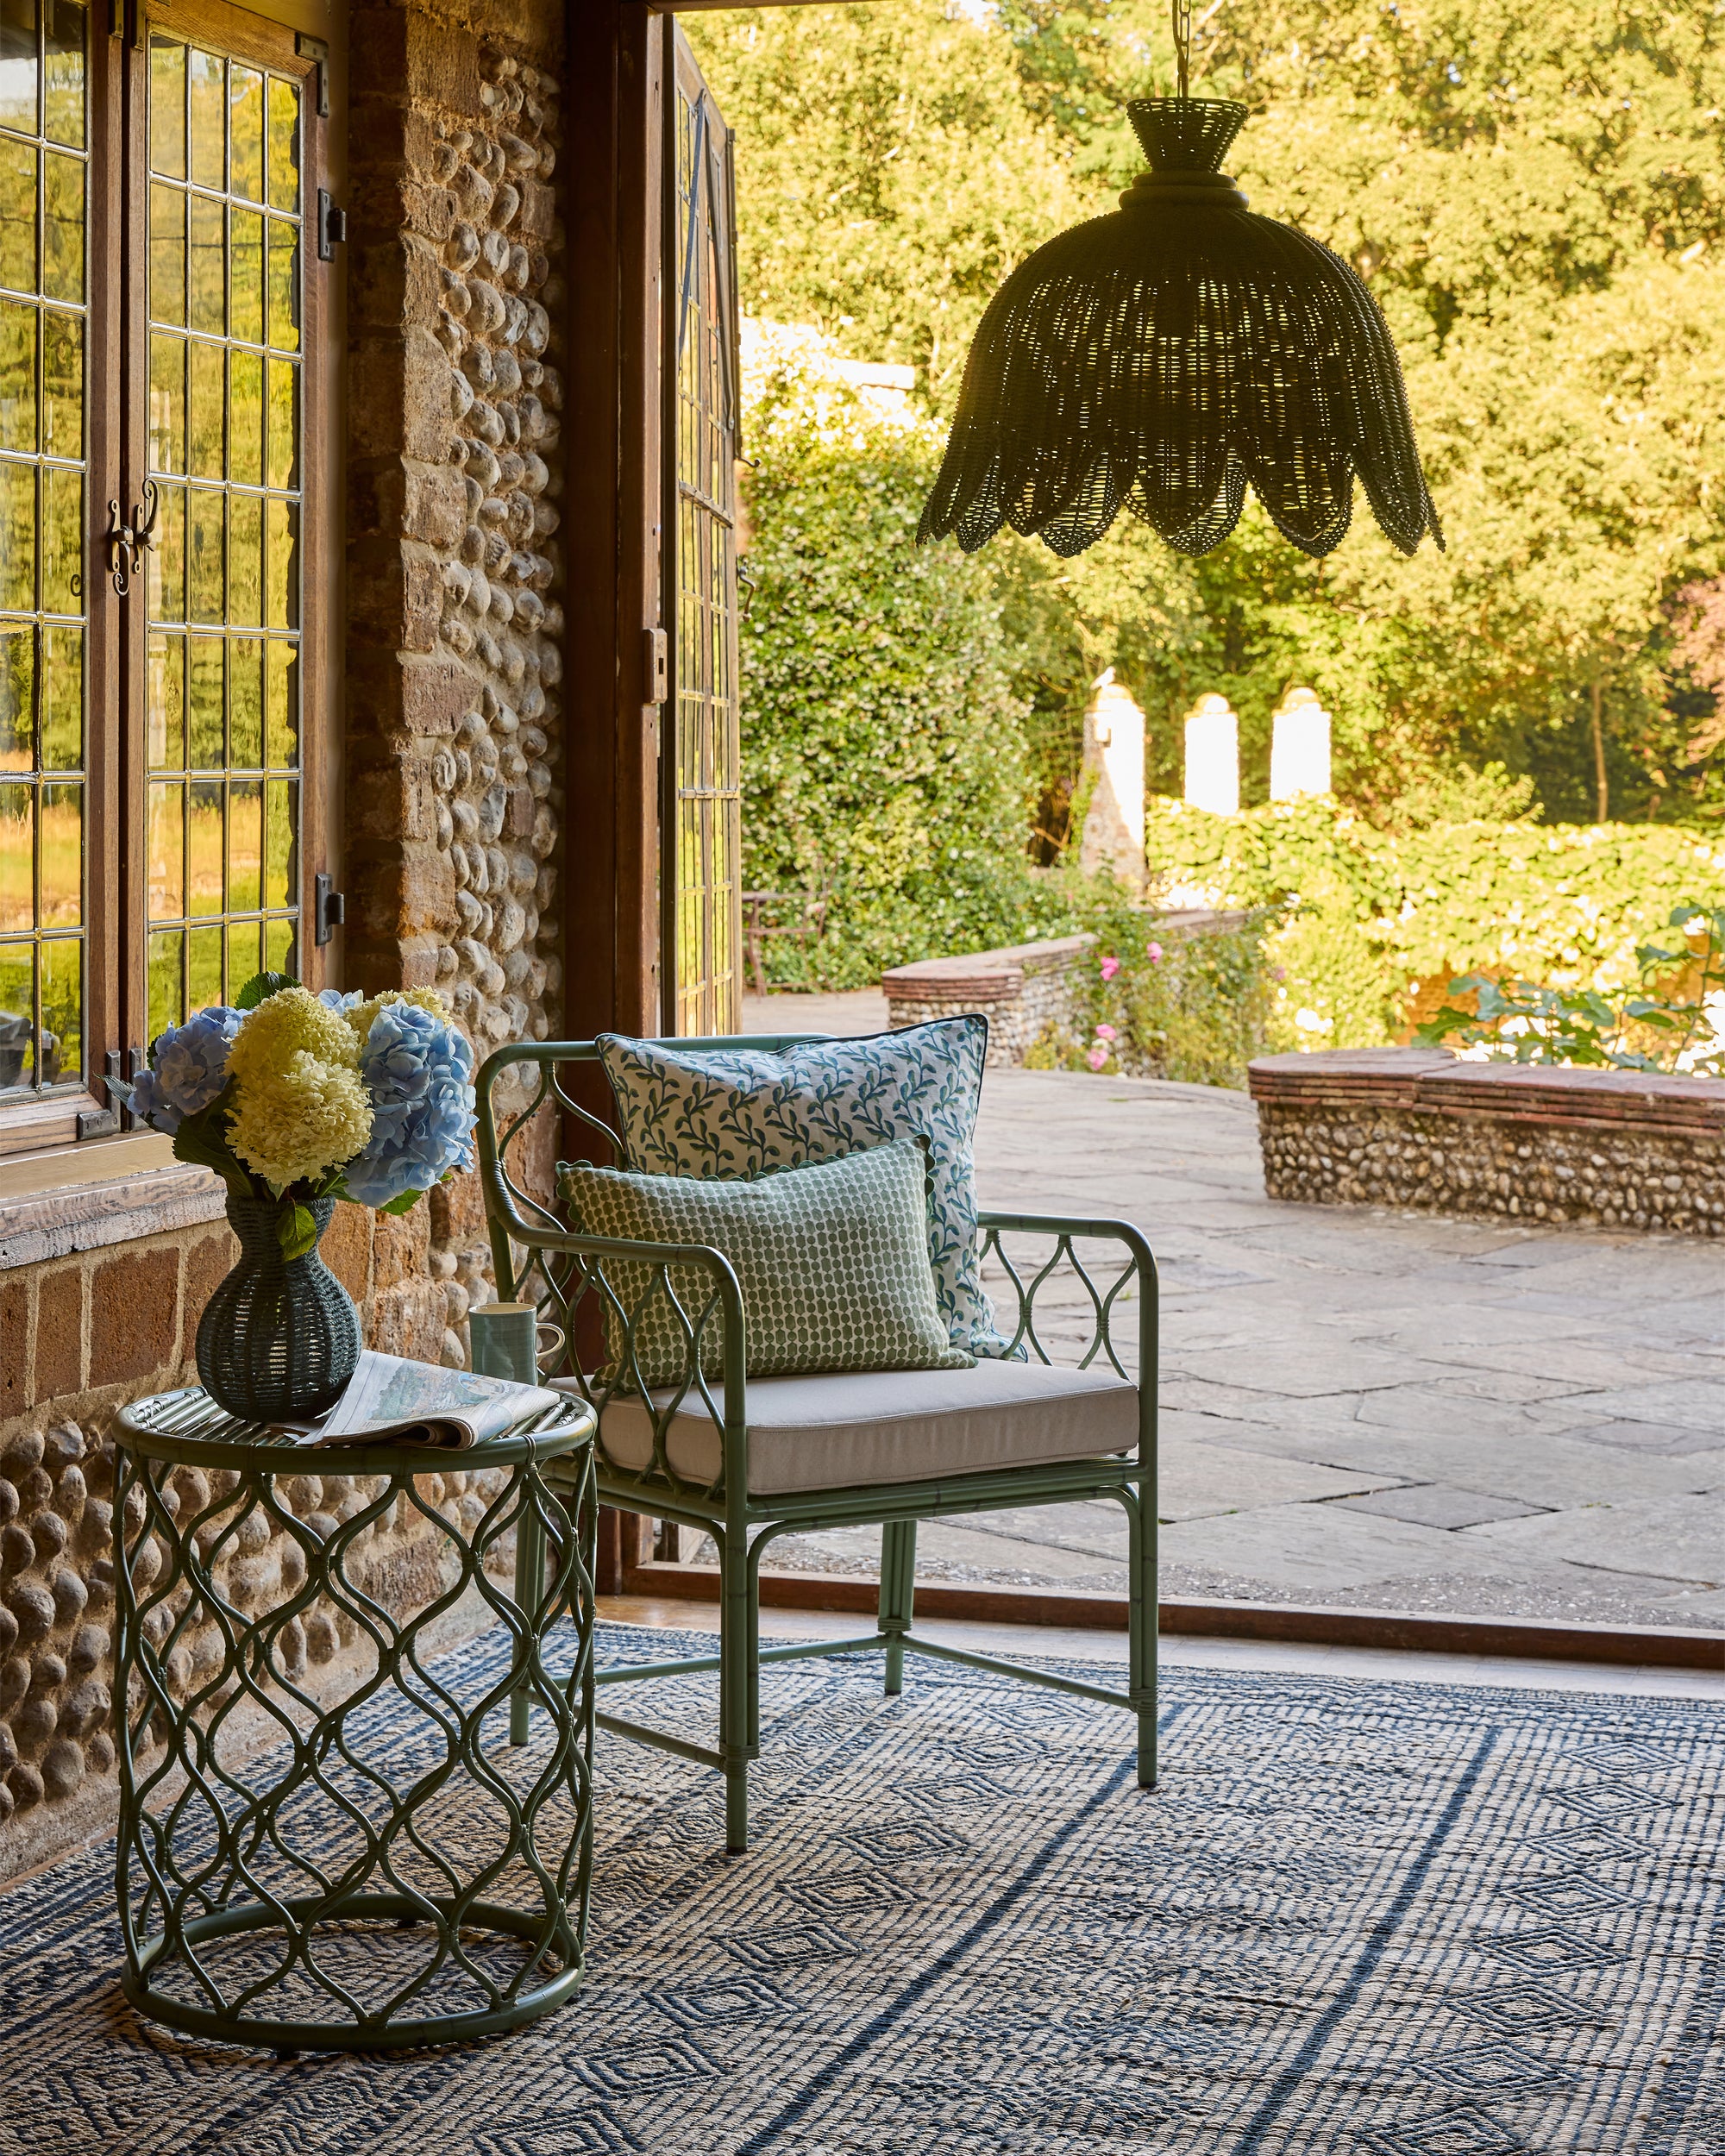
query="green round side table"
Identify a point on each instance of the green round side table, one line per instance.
(354, 1858)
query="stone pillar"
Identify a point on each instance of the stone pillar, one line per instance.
(1212, 756)
(1113, 760)
(455, 739)
(1299, 747)
(454, 663)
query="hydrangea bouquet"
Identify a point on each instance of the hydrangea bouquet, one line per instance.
(292, 1098)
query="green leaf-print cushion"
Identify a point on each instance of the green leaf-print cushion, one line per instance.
(726, 1113)
(832, 1260)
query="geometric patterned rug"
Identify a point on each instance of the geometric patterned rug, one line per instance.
(1357, 1919)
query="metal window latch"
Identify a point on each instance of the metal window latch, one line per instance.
(318, 49)
(328, 908)
(332, 227)
(656, 654)
(115, 1116)
(127, 543)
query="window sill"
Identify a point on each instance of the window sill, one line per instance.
(106, 1190)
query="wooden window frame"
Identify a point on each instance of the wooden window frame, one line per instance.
(289, 36)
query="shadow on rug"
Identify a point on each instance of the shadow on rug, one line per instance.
(1355, 1919)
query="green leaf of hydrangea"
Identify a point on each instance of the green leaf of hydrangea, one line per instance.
(261, 986)
(202, 1140)
(296, 1229)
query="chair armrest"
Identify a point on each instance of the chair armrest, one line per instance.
(1065, 1230)
(562, 1267)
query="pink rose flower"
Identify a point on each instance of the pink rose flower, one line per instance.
(1097, 1058)
(1110, 968)
(1106, 1033)
(1152, 951)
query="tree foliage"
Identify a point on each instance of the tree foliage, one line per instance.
(1537, 197)
(1383, 919)
(890, 173)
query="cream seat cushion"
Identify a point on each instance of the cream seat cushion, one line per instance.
(852, 1429)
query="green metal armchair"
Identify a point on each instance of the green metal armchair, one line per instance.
(750, 1460)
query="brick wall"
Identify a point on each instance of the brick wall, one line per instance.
(80, 1335)
(1419, 1129)
(452, 761)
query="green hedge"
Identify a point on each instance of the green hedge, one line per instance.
(884, 771)
(1384, 919)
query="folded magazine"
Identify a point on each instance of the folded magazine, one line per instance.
(420, 1403)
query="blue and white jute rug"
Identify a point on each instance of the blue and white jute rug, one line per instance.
(1356, 1920)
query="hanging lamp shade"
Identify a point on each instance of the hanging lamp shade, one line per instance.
(1170, 355)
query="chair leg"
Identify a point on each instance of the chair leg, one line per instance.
(898, 1591)
(738, 1675)
(1141, 1635)
(530, 1593)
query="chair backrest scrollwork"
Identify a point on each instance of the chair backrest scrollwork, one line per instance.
(530, 1122)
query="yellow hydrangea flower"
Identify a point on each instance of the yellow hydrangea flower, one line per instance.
(290, 1023)
(360, 1017)
(296, 1121)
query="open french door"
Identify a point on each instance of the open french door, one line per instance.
(700, 796)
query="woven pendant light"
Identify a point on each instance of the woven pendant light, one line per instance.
(1168, 356)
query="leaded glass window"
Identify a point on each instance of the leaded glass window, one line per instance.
(43, 483)
(223, 686)
(703, 796)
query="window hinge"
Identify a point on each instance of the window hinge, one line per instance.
(98, 1122)
(657, 659)
(317, 48)
(332, 227)
(328, 908)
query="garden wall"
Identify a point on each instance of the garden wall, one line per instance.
(1420, 1128)
(1020, 989)
(1023, 989)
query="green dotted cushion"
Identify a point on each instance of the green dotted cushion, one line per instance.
(832, 1262)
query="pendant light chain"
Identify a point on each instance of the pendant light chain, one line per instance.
(1182, 46)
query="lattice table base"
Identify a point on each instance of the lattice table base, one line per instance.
(358, 1858)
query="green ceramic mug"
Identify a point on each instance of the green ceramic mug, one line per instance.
(512, 1340)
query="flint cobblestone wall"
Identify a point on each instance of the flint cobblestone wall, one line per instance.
(455, 745)
(1418, 1129)
(1023, 990)
(452, 784)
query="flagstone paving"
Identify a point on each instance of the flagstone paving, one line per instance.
(1359, 1408)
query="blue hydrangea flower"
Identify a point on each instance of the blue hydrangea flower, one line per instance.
(341, 999)
(418, 1071)
(190, 1069)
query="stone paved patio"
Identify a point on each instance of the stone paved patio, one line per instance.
(1361, 1407)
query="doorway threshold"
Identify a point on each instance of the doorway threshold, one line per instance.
(1540, 1639)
